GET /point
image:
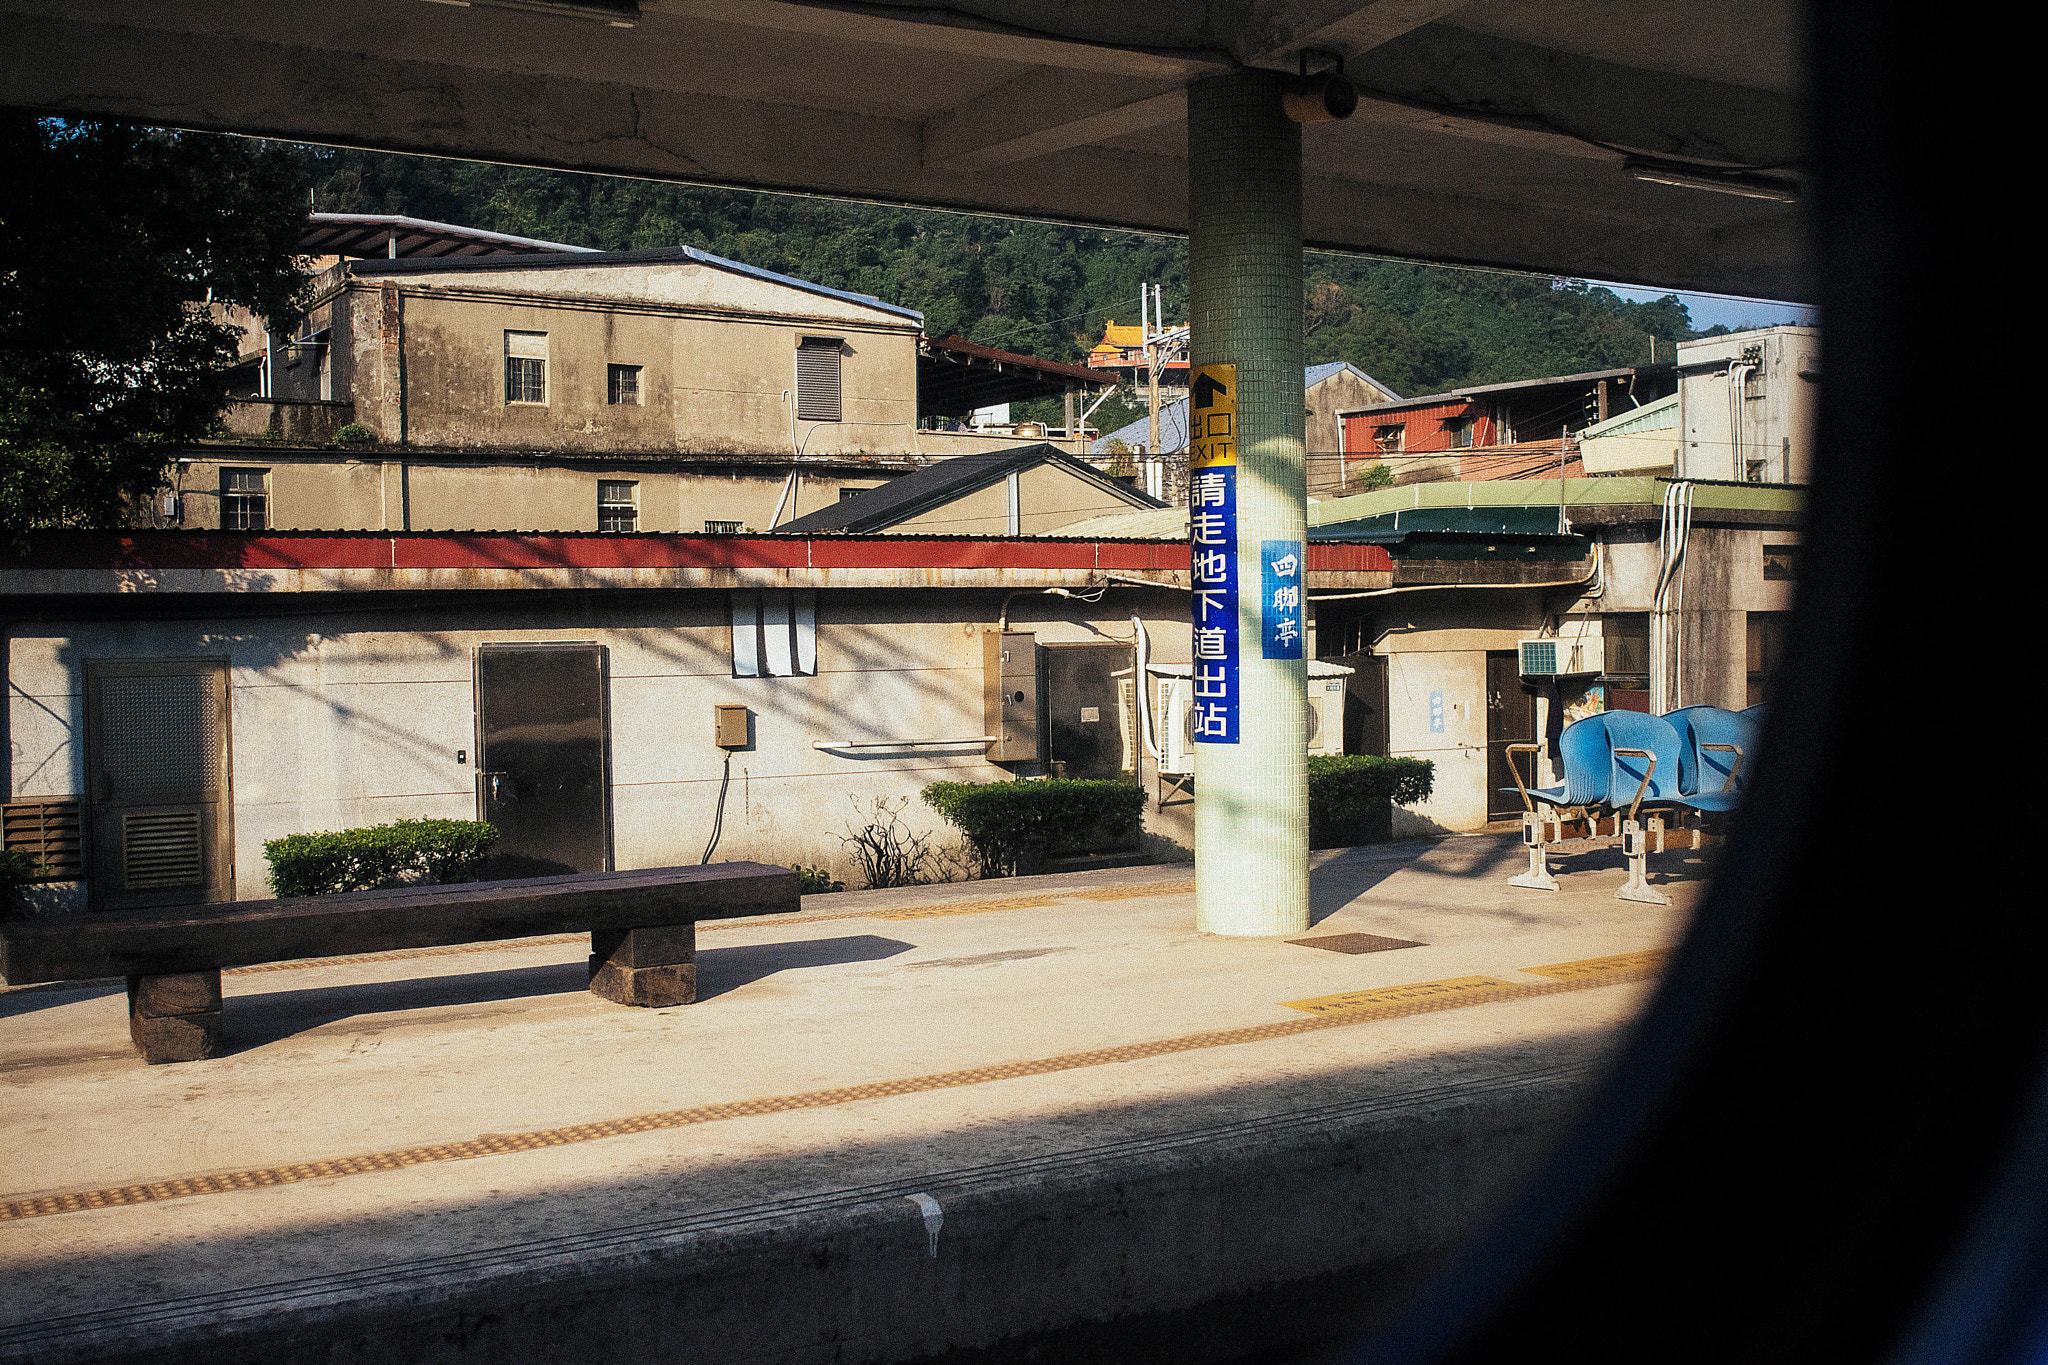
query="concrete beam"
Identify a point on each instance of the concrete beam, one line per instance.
(1342, 26)
(1471, 148)
(1035, 116)
(1482, 79)
(1123, 38)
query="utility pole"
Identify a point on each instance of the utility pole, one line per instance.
(1149, 294)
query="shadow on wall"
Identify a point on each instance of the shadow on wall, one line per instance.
(327, 701)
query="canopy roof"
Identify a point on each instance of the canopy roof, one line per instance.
(1639, 141)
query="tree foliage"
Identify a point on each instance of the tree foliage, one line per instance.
(1034, 287)
(113, 242)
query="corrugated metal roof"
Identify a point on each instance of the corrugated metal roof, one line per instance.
(1163, 523)
(1471, 391)
(912, 494)
(581, 258)
(1661, 415)
(1318, 373)
(369, 234)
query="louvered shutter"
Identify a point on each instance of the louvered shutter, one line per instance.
(817, 380)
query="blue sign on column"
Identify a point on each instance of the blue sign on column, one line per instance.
(1280, 609)
(1212, 551)
(1212, 557)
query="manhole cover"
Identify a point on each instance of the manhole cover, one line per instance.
(1356, 943)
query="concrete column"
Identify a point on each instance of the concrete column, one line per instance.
(1244, 266)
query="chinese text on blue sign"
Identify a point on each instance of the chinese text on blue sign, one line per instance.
(1212, 551)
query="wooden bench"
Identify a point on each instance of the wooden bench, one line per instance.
(642, 927)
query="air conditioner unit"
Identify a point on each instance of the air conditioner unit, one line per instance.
(1176, 704)
(1325, 715)
(1560, 658)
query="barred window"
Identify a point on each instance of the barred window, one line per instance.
(244, 499)
(526, 367)
(722, 528)
(618, 505)
(622, 384)
(817, 379)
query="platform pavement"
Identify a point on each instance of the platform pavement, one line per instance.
(899, 1124)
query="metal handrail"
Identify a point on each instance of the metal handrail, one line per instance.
(899, 743)
(1645, 786)
(1733, 772)
(1512, 750)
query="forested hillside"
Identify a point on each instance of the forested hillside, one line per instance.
(1028, 286)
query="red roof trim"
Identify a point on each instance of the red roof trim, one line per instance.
(162, 550)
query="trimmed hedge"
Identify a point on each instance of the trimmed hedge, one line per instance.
(379, 855)
(1032, 821)
(1350, 796)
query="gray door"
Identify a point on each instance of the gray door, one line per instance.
(161, 816)
(1082, 705)
(543, 761)
(1510, 719)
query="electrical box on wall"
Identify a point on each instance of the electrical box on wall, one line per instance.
(1009, 695)
(729, 726)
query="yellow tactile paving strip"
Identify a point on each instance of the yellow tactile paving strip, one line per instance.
(1602, 966)
(1362, 1007)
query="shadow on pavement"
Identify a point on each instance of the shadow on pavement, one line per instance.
(724, 969)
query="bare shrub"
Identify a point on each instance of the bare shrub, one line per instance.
(887, 851)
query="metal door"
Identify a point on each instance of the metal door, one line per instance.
(161, 817)
(1365, 704)
(1082, 704)
(1510, 719)
(543, 758)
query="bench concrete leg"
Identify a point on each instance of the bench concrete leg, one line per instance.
(654, 967)
(175, 1017)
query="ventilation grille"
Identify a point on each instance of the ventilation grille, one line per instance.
(817, 380)
(161, 849)
(48, 831)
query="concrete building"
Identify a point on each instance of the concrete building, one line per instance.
(562, 687)
(1747, 403)
(1521, 429)
(464, 380)
(1480, 567)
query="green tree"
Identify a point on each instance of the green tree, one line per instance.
(113, 242)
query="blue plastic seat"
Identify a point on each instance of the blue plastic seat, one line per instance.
(1583, 748)
(1714, 746)
(1634, 781)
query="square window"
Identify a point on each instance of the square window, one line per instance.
(622, 384)
(526, 367)
(1390, 438)
(1461, 433)
(618, 505)
(245, 499)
